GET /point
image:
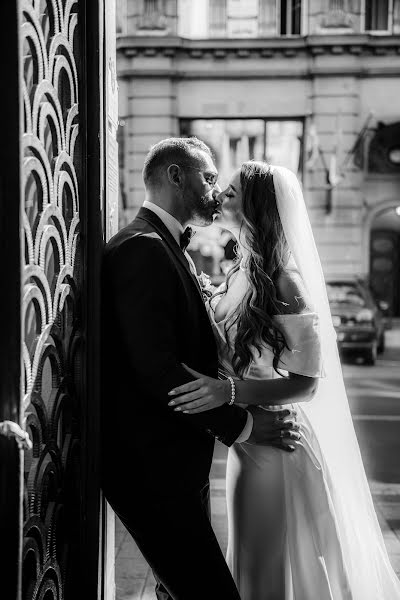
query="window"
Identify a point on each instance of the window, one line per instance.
(233, 141)
(283, 143)
(217, 17)
(253, 18)
(396, 16)
(267, 22)
(376, 15)
(150, 8)
(290, 17)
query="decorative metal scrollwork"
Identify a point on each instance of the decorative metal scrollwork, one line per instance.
(52, 341)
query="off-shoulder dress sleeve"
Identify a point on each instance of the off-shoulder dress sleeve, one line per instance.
(302, 333)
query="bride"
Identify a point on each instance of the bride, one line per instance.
(302, 525)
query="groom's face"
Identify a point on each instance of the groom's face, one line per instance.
(201, 190)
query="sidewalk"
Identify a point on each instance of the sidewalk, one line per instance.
(134, 579)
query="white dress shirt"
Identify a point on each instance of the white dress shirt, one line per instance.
(173, 226)
(176, 229)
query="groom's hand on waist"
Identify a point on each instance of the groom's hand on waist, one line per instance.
(275, 428)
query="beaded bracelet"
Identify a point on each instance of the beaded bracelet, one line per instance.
(233, 391)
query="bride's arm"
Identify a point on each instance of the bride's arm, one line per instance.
(206, 393)
(295, 387)
(285, 390)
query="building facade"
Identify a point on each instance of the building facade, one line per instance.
(312, 85)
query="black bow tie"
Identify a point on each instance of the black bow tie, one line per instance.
(185, 238)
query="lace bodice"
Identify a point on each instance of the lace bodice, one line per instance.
(302, 336)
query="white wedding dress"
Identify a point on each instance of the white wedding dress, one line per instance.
(283, 540)
(302, 525)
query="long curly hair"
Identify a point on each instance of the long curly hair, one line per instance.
(269, 254)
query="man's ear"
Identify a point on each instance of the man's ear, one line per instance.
(175, 176)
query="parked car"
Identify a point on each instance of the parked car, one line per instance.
(357, 318)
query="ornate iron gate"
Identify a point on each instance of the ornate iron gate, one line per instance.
(52, 345)
(60, 91)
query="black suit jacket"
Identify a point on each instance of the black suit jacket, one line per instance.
(154, 319)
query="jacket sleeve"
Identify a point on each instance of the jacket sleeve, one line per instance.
(143, 281)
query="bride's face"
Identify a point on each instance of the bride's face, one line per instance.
(231, 216)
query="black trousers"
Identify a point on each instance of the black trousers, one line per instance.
(175, 536)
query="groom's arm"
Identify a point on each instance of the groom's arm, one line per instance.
(144, 291)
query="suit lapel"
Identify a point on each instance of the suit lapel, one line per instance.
(151, 218)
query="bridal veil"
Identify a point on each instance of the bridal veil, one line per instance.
(366, 560)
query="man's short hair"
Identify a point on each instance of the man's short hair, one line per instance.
(180, 151)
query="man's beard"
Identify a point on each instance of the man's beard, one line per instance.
(203, 209)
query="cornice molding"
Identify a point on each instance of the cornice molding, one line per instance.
(241, 74)
(220, 49)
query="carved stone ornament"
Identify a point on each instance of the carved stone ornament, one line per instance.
(337, 19)
(153, 16)
(338, 16)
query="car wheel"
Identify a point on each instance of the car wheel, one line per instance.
(370, 355)
(381, 343)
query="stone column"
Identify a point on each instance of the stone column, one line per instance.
(335, 109)
(149, 117)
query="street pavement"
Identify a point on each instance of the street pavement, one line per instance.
(374, 396)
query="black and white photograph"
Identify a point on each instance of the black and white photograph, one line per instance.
(200, 300)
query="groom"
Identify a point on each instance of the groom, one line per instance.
(156, 462)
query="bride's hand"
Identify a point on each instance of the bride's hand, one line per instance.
(204, 393)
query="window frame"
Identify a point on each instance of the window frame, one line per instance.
(388, 31)
(289, 17)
